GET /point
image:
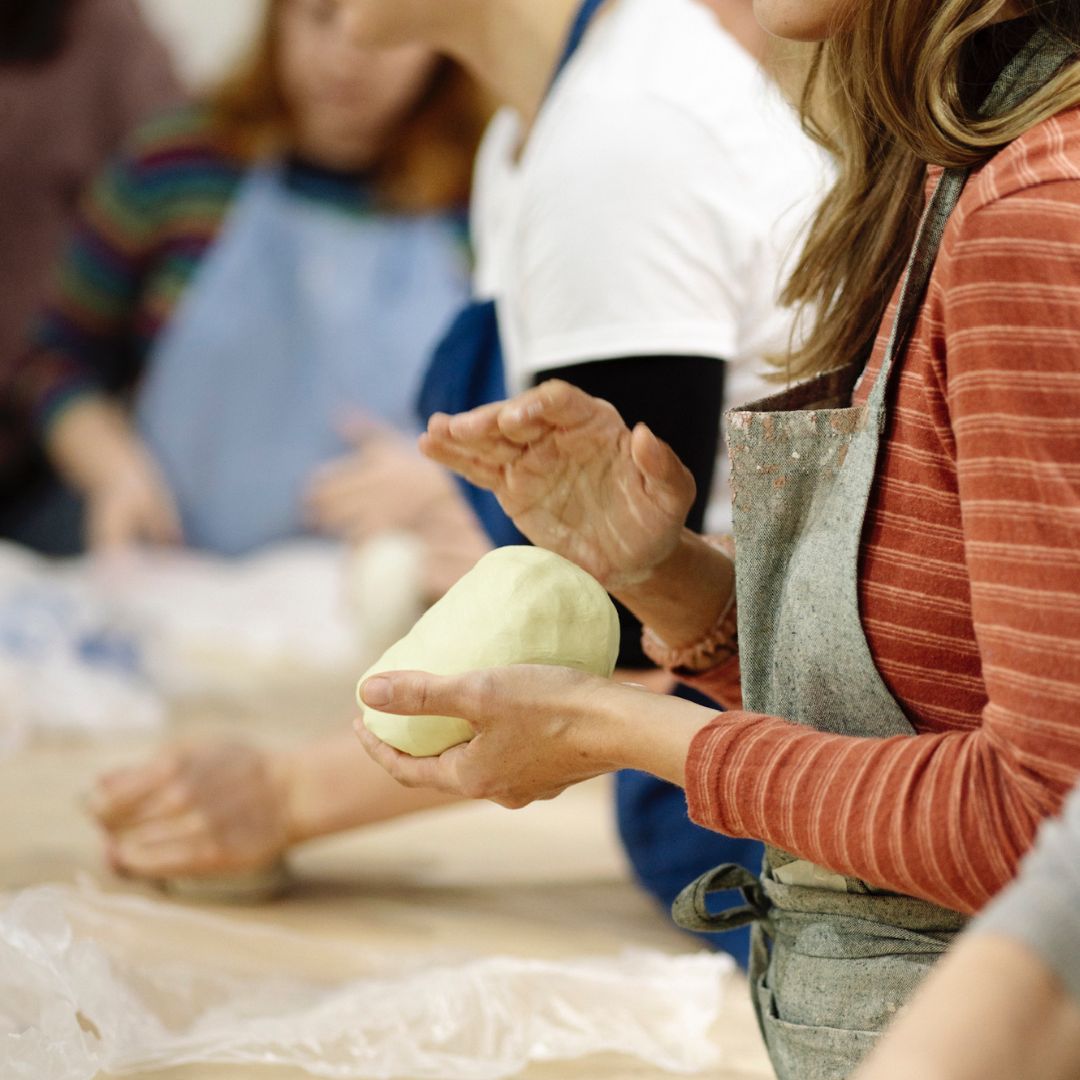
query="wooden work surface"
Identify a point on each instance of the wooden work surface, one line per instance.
(547, 881)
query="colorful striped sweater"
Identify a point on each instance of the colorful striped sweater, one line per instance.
(143, 231)
(970, 576)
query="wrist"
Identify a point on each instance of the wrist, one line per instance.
(602, 732)
(684, 597)
(646, 731)
(656, 581)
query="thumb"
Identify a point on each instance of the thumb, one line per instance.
(665, 476)
(417, 693)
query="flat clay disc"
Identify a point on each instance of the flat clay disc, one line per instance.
(249, 888)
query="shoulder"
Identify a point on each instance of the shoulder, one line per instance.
(673, 50)
(1004, 295)
(173, 164)
(662, 92)
(1020, 213)
(186, 129)
(181, 144)
(1047, 154)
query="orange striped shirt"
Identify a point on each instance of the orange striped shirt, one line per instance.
(970, 576)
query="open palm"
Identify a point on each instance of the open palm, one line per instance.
(573, 478)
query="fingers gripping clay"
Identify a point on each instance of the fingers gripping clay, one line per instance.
(518, 605)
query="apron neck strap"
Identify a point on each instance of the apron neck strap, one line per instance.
(578, 29)
(1031, 69)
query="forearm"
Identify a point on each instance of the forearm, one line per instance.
(333, 785)
(92, 443)
(647, 731)
(862, 807)
(991, 1011)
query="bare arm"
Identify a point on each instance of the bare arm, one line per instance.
(991, 1011)
(681, 599)
(226, 807)
(332, 785)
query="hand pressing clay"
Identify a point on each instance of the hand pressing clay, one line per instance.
(518, 605)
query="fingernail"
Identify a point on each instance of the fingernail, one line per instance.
(377, 692)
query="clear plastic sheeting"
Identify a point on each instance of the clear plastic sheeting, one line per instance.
(91, 982)
(98, 646)
(239, 628)
(68, 660)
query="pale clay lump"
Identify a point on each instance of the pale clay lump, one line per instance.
(518, 605)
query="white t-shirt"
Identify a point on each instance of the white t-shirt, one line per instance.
(653, 208)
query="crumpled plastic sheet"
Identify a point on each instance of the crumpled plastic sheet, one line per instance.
(66, 663)
(100, 645)
(210, 626)
(93, 982)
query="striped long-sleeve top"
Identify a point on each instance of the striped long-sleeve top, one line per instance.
(969, 582)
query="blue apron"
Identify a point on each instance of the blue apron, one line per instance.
(467, 367)
(300, 314)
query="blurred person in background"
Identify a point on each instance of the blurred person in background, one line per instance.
(76, 76)
(252, 291)
(635, 199)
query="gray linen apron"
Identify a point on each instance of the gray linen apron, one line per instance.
(833, 958)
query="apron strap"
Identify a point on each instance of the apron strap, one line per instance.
(691, 912)
(578, 29)
(1031, 69)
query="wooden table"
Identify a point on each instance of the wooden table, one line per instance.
(547, 881)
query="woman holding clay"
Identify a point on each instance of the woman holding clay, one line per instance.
(906, 671)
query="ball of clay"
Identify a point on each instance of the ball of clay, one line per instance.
(518, 605)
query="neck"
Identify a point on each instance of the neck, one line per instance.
(737, 18)
(512, 46)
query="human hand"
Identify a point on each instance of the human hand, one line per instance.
(573, 478)
(539, 729)
(221, 808)
(383, 485)
(131, 504)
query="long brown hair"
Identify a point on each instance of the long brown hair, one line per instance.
(425, 166)
(885, 97)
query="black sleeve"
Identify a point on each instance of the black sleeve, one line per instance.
(680, 398)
